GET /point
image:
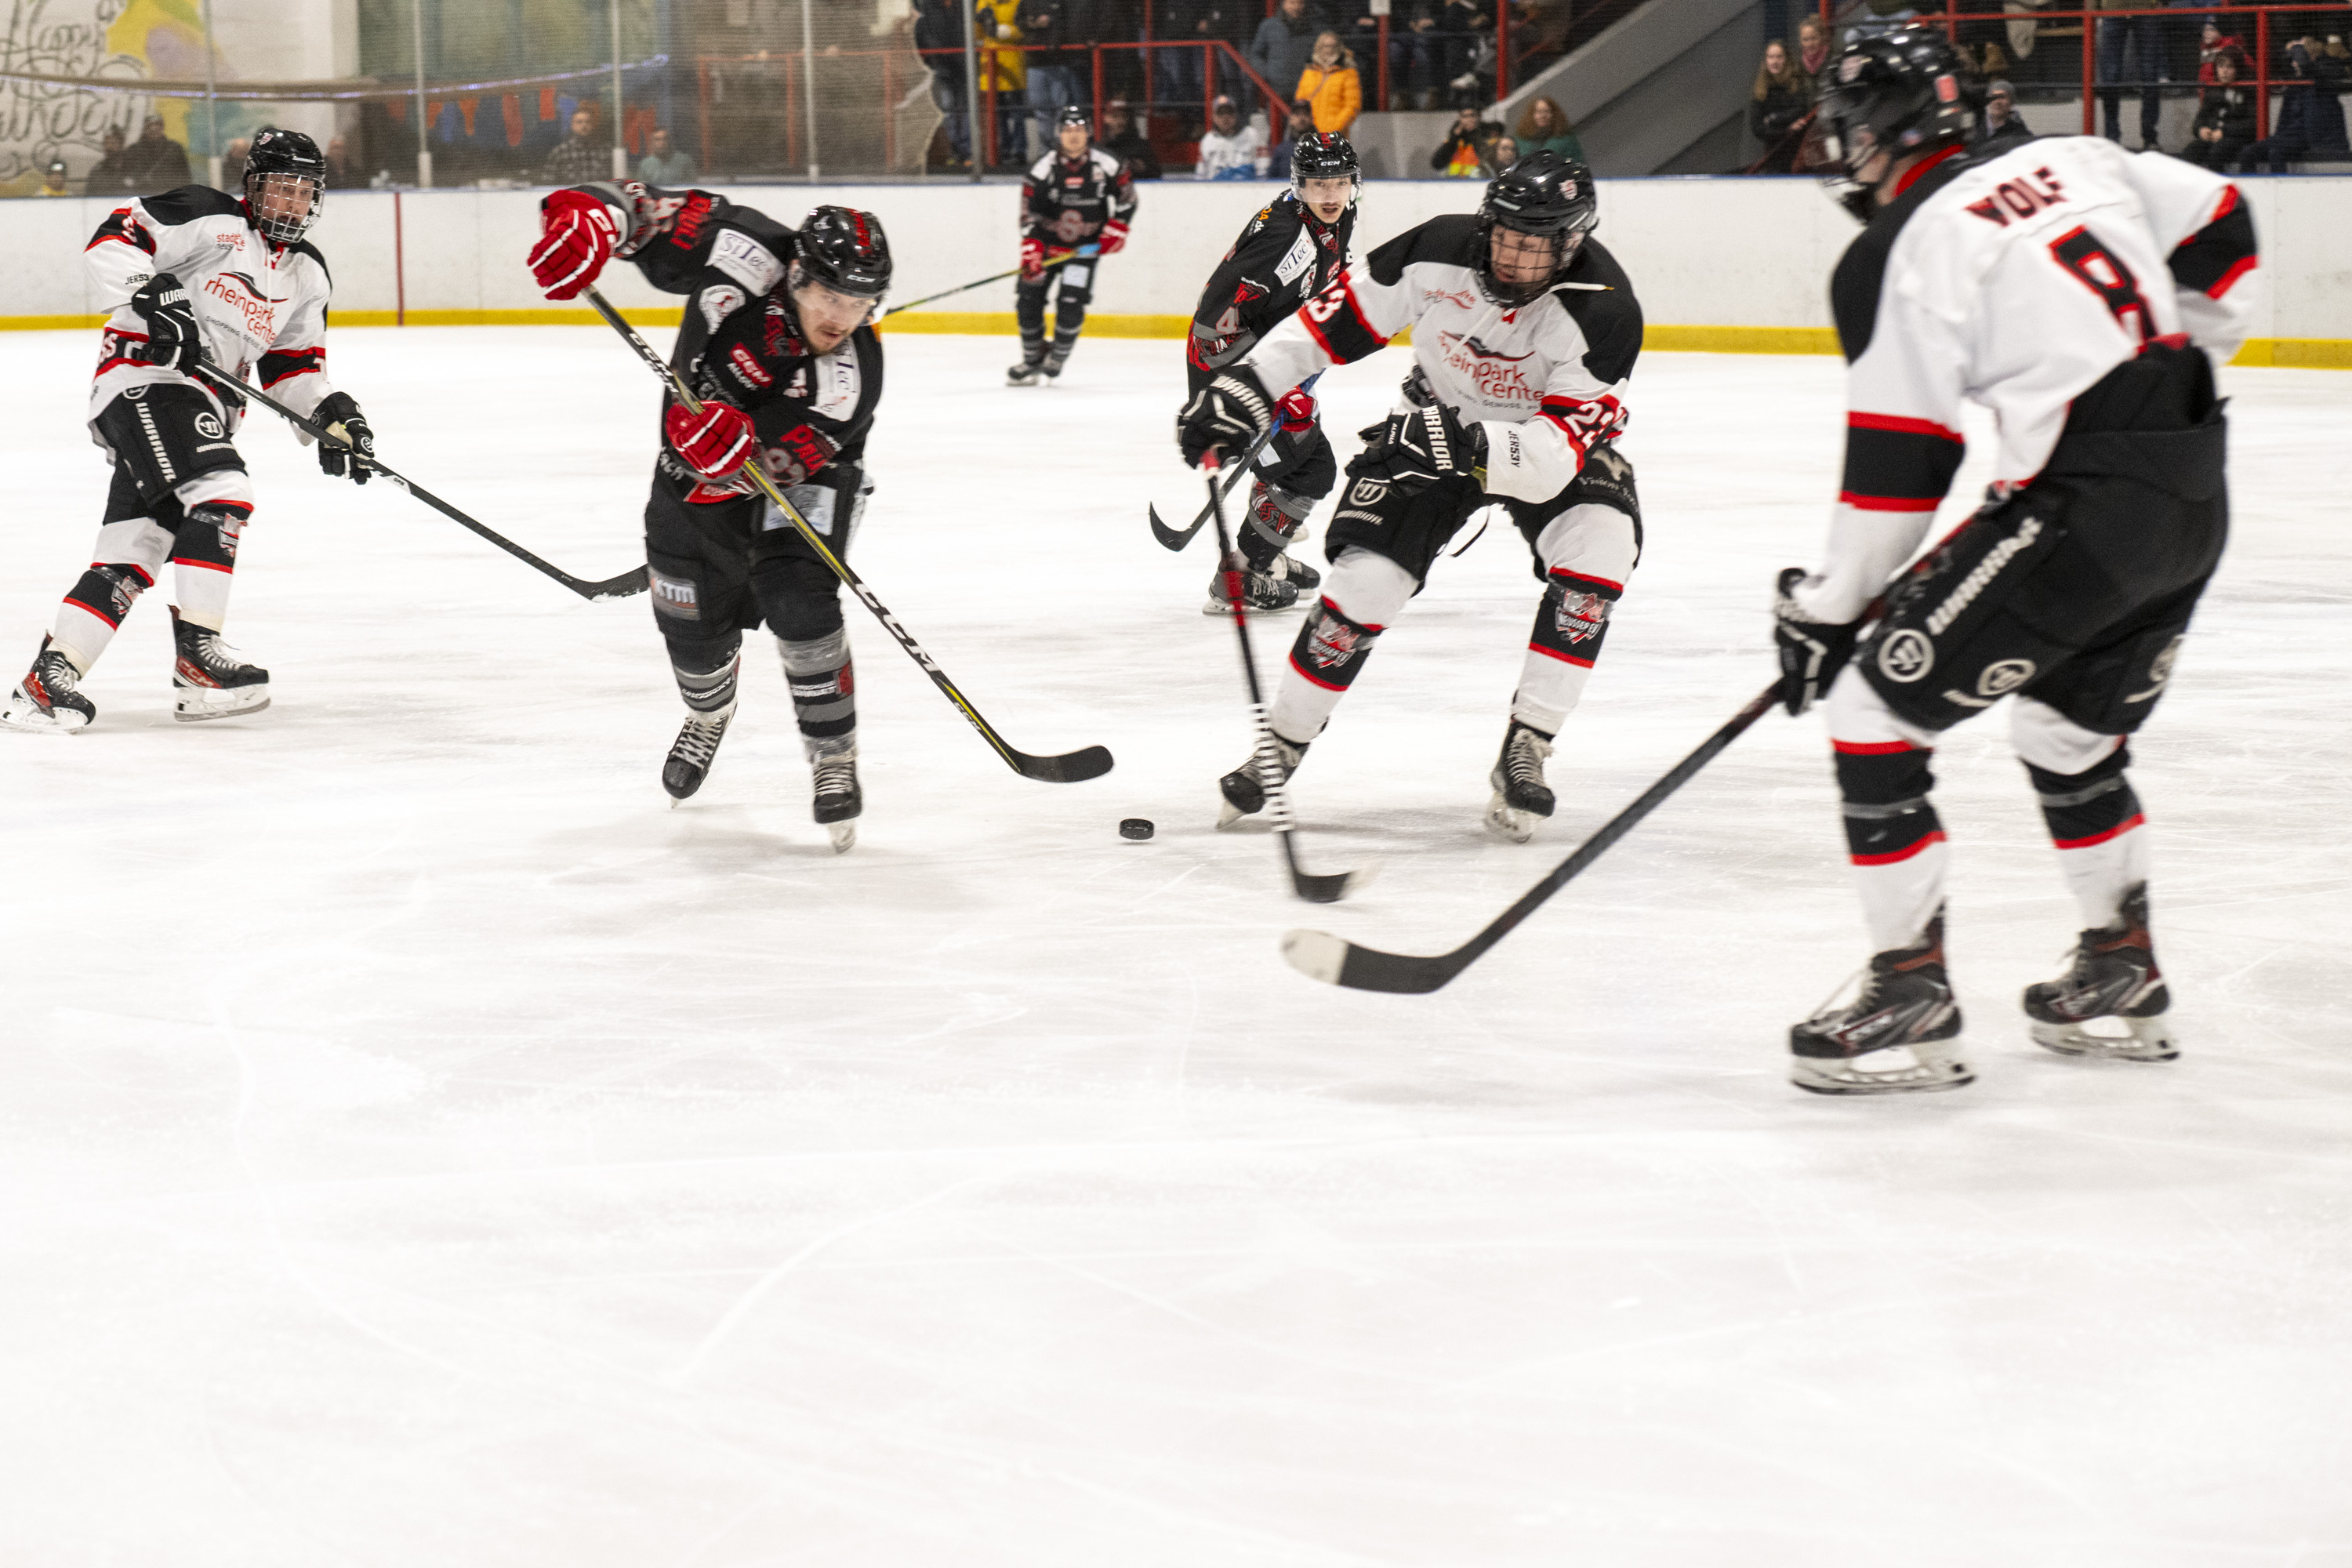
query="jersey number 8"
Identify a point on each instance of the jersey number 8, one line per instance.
(2107, 278)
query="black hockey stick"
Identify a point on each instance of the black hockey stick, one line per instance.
(620, 587)
(1319, 955)
(1070, 767)
(1315, 890)
(960, 288)
(1175, 541)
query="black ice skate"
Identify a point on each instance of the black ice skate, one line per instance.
(49, 701)
(1296, 572)
(691, 754)
(211, 679)
(1260, 591)
(1026, 372)
(1895, 1038)
(837, 800)
(1521, 796)
(1245, 790)
(1284, 567)
(2111, 1002)
(1056, 358)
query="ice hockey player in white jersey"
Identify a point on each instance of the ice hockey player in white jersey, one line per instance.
(192, 276)
(1524, 334)
(2084, 295)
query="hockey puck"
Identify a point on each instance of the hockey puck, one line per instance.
(1135, 827)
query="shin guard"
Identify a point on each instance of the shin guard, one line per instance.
(2096, 822)
(706, 674)
(94, 608)
(1894, 837)
(1572, 623)
(823, 686)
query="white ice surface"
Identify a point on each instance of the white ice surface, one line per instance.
(417, 1145)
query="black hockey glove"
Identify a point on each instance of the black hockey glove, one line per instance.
(1811, 652)
(341, 416)
(174, 338)
(1231, 412)
(1417, 448)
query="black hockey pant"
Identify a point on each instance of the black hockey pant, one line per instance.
(1073, 281)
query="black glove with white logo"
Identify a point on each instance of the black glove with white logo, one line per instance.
(174, 339)
(1231, 412)
(340, 413)
(1417, 448)
(1811, 652)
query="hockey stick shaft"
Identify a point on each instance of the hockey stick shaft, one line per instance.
(619, 587)
(966, 287)
(1330, 959)
(1173, 540)
(1072, 767)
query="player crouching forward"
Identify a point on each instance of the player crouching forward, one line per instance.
(2084, 294)
(190, 277)
(778, 346)
(1525, 332)
(1077, 202)
(1289, 253)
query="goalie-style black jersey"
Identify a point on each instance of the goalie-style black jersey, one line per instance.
(1066, 202)
(1283, 258)
(739, 342)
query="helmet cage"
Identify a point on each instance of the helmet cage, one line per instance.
(261, 185)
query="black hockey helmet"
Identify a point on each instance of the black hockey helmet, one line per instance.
(1073, 114)
(844, 249)
(1902, 92)
(278, 162)
(1325, 155)
(1545, 195)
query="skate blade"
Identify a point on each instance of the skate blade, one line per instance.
(1897, 1070)
(33, 722)
(2147, 1041)
(191, 708)
(1228, 814)
(1511, 827)
(844, 835)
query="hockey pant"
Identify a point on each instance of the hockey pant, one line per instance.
(180, 494)
(718, 570)
(1381, 544)
(1074, 282)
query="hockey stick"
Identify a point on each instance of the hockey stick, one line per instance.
(1321, 956)
(620, 587)
(1070, 767)
(1175, 541)
(1315, 890)
(962, 288)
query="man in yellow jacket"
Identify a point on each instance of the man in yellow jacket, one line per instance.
(1005, 71)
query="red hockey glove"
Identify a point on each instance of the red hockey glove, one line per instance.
(713, 443)
(1032, 260)
(1114, 238)
(800, 453)
(1298, 406)
(576, 238)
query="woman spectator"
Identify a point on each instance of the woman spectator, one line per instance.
(1329, 91)
(2225, 118)
(1813, 52)
(1779, 108)
(1543, 127)
(1463, 155)
(1501, 154)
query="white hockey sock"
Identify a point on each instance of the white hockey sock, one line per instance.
(2099, 874)
(1361, 597)
(1900, 896)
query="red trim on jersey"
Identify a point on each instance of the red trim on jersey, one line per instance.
(1890, 503)
(94, 610)
(1575, 444)
(1315, 332)
(1563, 658)
(105, 365)
(244, 506)
(209, 567)
(2229, 204)
(2136, 819)
(1897, 423)
(1911, 175)
(2228, 279)
(1898, 856)
(1873, 747)
(1312, 677)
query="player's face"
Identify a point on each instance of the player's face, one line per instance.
(827, 315)
(1074, 139)
(1326, 198)
(283, 196)
(1522, 258)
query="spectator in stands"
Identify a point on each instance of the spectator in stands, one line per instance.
(338, 163)
(1119, 138)
(1413, 53)
(1285, 43)
(2004, 127)
(2141, 40)
(1463, 155)
(578, 158)
(1232, 148)
(53, 180)
(2225, 118)
(1813, 52)
(938, 26)
(2211, 45)
(1501, 154)
(1543, 127)
(1178, 71)
(2310, 121)
(154, 163)
(1463, 26)
(106, 176)
(664, 163)
(1003, 71)
(1053, 76)
(1329, 91)
(233, 165)
(1780, 106)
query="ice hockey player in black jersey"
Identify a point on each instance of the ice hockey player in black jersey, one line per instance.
(1077, 202)
(778, 345)
(1524, 330)
(2084, 295)
(1289, 253)
(192, 276)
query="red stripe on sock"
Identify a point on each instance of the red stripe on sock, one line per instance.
(1873, 748)
(184, 561)
(94, 610)
(1311, 676)
(2136, 819)
(1563, 658)
(1900, 855)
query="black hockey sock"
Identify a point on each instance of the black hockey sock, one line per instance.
(1029, 310)
(823, 686)
(1888, 817)
(1274, 509)
(95, 607)
(2089, 807)
(706, 675)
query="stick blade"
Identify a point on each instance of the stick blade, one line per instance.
(1319, 955)
(620, 587)
(1070, 767)
(1169, 536)
(1330, 889)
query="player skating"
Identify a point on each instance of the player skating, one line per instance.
(1077, 202)
(1524, 332)
(192, 276)
(777, 341)
(2082, 294)
(1289, 253)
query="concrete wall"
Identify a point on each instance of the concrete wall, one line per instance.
(1747, 253)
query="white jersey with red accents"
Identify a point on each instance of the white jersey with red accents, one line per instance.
(261, 306)
(2015, 283)
(1547, 380)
